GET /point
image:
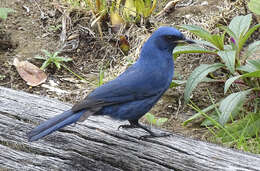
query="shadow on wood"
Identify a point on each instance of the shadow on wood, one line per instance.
(96, 144)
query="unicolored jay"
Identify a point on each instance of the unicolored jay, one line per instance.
(132, 94)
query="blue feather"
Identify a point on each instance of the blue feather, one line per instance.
(66, 118)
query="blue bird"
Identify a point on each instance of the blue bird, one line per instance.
(132, 94)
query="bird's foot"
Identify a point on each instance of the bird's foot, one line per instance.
(155, 135)
(136, 124)
(128, 126)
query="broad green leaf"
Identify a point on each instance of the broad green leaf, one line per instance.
(243, 40)
(176, 83)
(208, 80)
(254, 6)
(252, 48)
(191, 49)
(230, 33)
(218, 41)
(251, 66)
(197, 76)
(228, 83)
(255, 74)
(215, 41)
(229, 58)
(198, 31)
(228, 47)
(240, 24)
(231, 104)
(4, 12)
(205, 43)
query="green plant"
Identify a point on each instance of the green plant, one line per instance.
(4, 12)
(98, 6)
(241, 71)
(119, 11)
(241, 134)
(155, 121)
(53, 58)
(144, 8)
(138, 9)
(247, 127)
(101, 77)
(55, 27)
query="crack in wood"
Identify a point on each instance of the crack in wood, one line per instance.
(88, 138)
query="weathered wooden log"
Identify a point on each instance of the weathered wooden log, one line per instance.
(96, 144)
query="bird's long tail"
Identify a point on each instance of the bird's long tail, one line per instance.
(55, 123)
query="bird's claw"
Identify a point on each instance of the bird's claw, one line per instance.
(154, 135)
(126, 126)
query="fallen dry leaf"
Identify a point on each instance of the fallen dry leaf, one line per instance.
(124, 45)
(29, 72)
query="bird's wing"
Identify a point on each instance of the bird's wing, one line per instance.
(131, 85)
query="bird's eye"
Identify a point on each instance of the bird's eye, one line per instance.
(169, 38)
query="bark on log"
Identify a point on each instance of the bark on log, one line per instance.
(96, 144)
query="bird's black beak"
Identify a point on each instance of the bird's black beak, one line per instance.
(189, 41)
(184, 41)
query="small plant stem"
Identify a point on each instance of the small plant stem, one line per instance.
(81, 78)
(237, 62)
(209, 108)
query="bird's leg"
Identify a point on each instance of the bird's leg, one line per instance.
(136, 124)
(128, 126)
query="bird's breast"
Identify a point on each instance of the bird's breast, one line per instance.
(159, 73)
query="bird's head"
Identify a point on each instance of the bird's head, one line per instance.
(166, 38)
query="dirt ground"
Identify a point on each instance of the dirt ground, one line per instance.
(35, 25)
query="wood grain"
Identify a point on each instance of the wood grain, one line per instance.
(96, 144)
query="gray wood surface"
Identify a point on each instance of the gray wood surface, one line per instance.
(96, 144)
